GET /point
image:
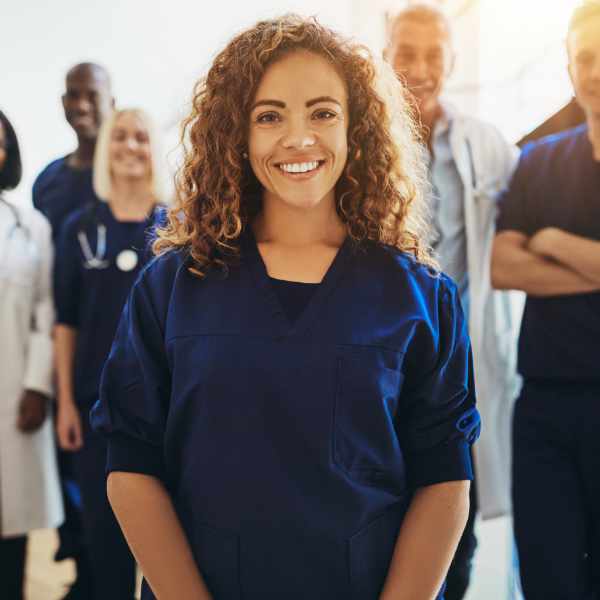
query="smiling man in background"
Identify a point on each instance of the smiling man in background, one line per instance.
(66, 183)
(62, 187)
(548, 245)
(469, 163)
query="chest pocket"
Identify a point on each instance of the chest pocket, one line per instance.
(365, 444)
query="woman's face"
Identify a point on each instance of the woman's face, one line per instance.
(129, 149)
(3, 153)
(297, 143)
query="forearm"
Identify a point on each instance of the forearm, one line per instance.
(580, 254)
(515, 267)
(65, 340)
(161, 549)
(427, 541)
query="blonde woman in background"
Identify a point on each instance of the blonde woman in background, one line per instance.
(101, 249)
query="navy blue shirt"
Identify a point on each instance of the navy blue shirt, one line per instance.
(91, 300)
(557, 184)
(291, 449)
(293, 296)
(59, 190)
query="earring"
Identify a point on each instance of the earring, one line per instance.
(245, 155)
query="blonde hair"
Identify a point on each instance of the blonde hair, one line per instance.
(380, 195)
(102, 178)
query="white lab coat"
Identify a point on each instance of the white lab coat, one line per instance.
(30, 496)
(485, 162)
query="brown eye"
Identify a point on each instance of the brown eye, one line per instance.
(268, 117)
(324, 114)
(118, 135)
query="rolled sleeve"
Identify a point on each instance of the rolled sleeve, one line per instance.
(131, 455)
(439, 422)
(134, 391)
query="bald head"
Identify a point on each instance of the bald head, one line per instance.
(88, 99)
(89, 70)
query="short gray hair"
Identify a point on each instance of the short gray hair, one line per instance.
(419, 12)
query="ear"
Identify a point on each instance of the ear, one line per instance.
(569, 64)
(570, 72)
(451, 64)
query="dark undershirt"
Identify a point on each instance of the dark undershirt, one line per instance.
(293, 296)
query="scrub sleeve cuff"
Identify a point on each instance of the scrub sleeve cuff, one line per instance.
(447, 462)
(134, 456)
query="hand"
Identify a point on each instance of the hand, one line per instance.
(32, 411)
(68, 427)
(544, 241)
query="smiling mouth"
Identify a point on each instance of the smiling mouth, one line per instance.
(298, 169)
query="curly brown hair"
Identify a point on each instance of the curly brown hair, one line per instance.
(379, 194)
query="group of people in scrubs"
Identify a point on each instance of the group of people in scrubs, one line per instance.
(69, 266)
(286, 398)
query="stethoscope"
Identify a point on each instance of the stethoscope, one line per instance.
(18, 224)
(125, 261)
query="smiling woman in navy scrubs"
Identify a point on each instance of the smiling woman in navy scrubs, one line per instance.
(289, 401)
(101, 249)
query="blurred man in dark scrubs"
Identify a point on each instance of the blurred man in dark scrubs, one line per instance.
(548, 245)
(61, 188)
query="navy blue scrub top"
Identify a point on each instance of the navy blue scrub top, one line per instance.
(91, 300)
(59, 190)
(557, 184)
(291, 450)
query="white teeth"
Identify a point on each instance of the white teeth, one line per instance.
(299, 167)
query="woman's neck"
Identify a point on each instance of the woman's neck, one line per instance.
(131, 200)
(285, 225)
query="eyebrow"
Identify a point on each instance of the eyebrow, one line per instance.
(309, 103)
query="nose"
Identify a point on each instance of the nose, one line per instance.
(131, 143)
(83, 104)
(298, 135)
(418, 70)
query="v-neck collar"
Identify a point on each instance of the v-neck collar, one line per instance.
(306, 321)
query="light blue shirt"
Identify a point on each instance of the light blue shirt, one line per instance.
(447, 210)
